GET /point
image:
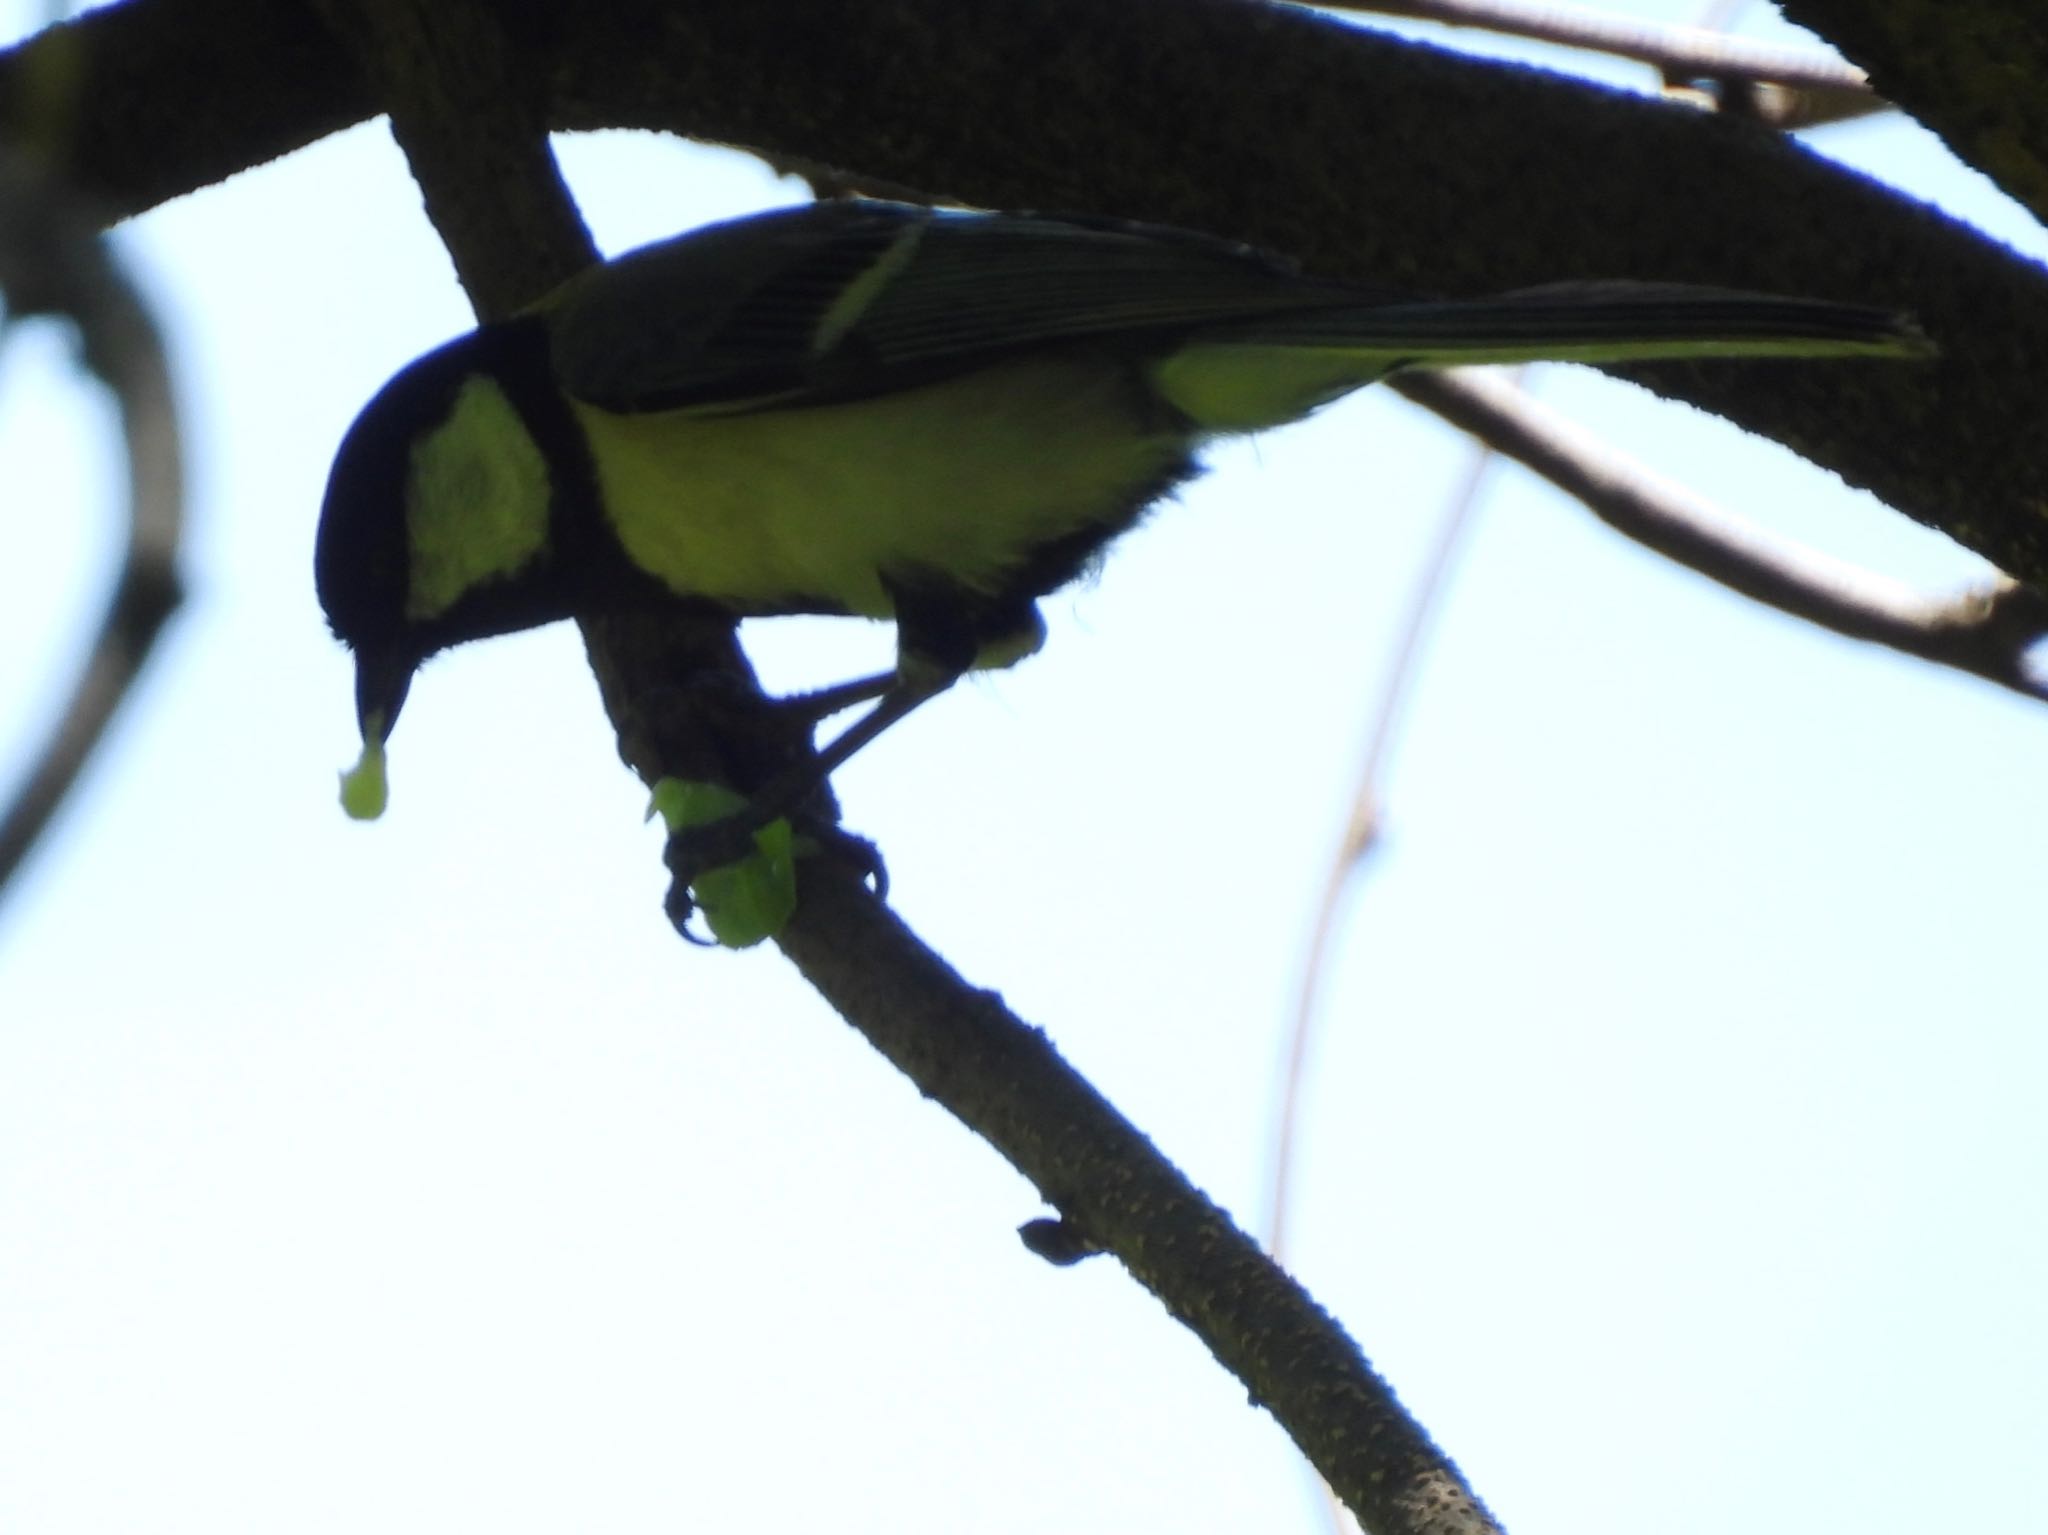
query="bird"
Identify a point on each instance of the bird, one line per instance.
(891, 412)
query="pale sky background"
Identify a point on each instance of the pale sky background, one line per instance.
(1674, 1148)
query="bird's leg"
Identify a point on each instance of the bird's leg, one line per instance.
(724, 841)
(941, 634)
(792, 786)
(823, 703)
(897, 700)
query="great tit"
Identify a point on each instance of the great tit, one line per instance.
(894, 413)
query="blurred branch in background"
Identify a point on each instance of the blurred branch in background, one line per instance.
(1362, 825)
(52, 261)
(1784, 87)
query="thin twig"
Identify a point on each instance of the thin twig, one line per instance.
(1787, 87)
(1362, 827)
(1678, 52)
(52, 262)
(1360, 837)
(1986, 632)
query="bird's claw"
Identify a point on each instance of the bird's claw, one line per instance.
(741, 873)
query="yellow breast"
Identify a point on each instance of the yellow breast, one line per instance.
(966, 477)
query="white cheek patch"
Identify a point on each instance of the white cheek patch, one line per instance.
(476, 500)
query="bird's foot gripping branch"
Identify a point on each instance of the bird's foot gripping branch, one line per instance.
(738, 872)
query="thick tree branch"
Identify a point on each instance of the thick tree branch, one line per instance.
(475, 136)
(1003, 1078)
(182, 94)
(687, 705)
(1367, 157)
(1972, 70)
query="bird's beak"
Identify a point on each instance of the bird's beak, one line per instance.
(381, 682)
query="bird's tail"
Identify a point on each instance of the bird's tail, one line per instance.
(1259, 372)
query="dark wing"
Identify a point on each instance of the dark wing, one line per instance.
(840, 300)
